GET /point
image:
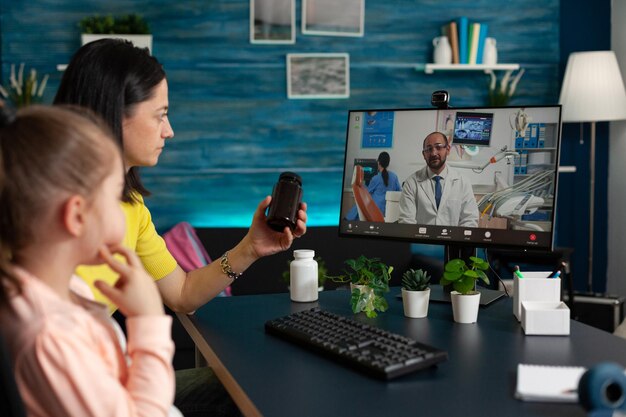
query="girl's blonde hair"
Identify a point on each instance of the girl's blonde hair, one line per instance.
(45, 152)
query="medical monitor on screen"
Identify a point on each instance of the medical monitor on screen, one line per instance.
(472, 128)
(370, 168)
(501, 193)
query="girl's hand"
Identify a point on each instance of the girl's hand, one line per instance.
(264, 241)
(135, 292)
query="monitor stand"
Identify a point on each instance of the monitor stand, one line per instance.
(441, 294)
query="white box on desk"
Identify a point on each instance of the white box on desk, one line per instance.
(535, 286)
(545, 318)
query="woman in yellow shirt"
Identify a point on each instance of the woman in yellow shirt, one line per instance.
(128, 88)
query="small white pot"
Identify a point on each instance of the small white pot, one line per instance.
(415, 303)
(465, 307)
(141, 41)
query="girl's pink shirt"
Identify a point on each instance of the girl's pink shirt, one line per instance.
(68, 361)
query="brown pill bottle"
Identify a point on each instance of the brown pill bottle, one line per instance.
(286, 199)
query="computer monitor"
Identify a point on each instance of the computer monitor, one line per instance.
(370, 168)
(500, 194)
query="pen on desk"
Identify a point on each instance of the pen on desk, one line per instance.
(517, 272)
(557, 271)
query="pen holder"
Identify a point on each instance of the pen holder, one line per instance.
(535, 286)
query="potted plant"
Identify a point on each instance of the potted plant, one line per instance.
(463, 277)
(369, 281)
(322, 272)
(23, 90)
(415, 293)
(131, 27)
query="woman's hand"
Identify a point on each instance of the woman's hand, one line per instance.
(264, 241)
(135, 292)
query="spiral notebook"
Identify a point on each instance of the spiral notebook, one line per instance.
(548, 383)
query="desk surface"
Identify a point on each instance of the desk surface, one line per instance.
(271, 377)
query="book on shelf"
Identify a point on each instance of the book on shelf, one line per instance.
(450, 30)
(481, 42)
(463, 28)
(474, 34)
(467, 40)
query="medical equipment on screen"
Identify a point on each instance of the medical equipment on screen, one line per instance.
(504, 152)
(522, 198)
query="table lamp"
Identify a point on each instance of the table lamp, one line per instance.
(592, 91)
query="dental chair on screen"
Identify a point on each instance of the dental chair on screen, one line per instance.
(367, 208)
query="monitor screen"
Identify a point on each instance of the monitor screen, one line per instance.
(370, 168)
(502, 193)
(471, 128)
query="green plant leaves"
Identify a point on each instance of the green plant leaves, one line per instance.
(455, 265)
(464, 285)
(374, 275)
(415, 280)
(452, 276)
(463, 277)
(126, 24)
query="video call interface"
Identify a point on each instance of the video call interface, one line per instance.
(499, 175)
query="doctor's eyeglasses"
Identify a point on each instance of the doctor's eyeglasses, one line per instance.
(436, 147)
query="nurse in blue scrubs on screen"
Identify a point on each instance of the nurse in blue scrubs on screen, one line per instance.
(379, 185)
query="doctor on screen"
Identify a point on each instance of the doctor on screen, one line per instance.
(438, 194)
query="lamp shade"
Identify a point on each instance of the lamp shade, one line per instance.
(593, 89)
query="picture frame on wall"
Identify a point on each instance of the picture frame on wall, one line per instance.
(333, 18)
(318, 76)
(273, 21)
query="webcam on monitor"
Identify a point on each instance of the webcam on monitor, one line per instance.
(440, 99)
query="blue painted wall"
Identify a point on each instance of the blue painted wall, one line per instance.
(573, 226)
(236, 130)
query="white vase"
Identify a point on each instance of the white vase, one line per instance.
(415, 303)
(465, 307)
(140, 41)
(490, 52)
(442, 53)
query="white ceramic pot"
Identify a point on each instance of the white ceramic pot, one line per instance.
(465, 307)
(490, 52)
(415, 303)
(141, 41)
(442, 53)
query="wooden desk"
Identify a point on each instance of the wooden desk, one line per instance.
(268, 376)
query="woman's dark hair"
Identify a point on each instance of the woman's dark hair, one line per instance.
(45, 154)
(383, 160)
(110, 77)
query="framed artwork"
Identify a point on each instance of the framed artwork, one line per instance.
(272, 21)
(333, 17)
(318, 76)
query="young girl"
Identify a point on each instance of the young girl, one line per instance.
(61, 180)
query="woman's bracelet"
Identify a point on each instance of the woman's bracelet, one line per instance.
(227, 269)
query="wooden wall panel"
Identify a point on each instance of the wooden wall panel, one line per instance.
(235, 128)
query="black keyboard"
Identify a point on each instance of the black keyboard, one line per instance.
(366, 348)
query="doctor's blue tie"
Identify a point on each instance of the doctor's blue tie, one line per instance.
(437, 190)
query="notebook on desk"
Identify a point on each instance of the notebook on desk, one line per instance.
(548, 383)
(487, 296)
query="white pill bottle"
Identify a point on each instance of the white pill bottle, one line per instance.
(303, 276)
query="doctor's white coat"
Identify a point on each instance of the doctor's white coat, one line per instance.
(457, 206)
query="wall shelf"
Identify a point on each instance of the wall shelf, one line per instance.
(431, 68)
